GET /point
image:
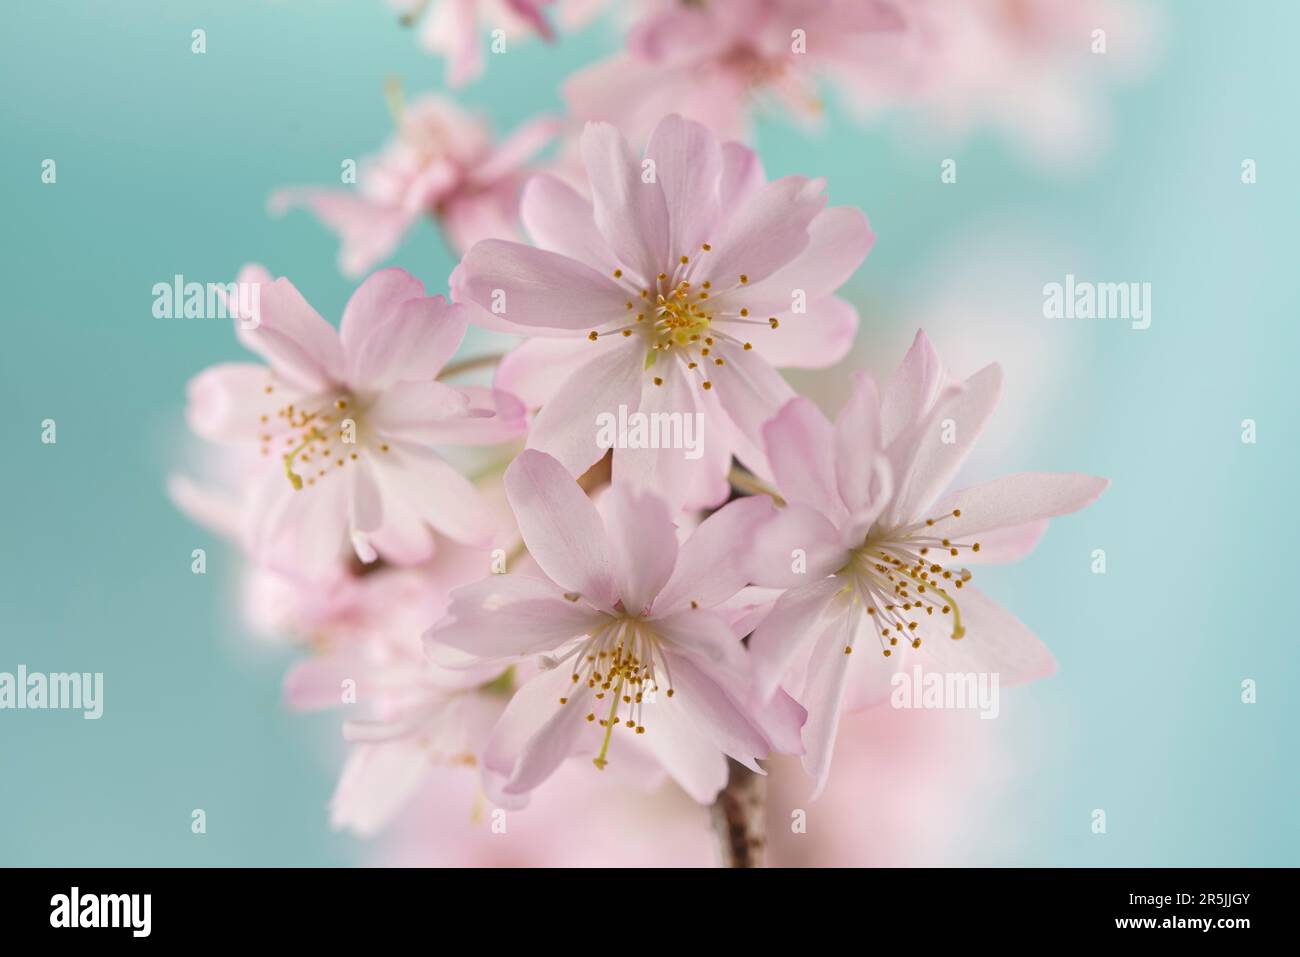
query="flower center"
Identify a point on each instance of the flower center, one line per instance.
(901, 574)
(620, 661)
(314, 439)
(677, 319)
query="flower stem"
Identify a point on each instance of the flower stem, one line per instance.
(739, 818)
(743, 481)
(470, 365)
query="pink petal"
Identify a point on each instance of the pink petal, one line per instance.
(415, 410)
(536, 733)
(838, 241)
(294, 339)
(688, 165)
(995, 642)
(373, 302)
(769, 230)
(861, 468)
(1016, 500)
(560, 220)
(414, 342)
(436, 492)
(717, 716)
(748, 388)
(536, 368)
(533, 287)
(797, 619)
(226, 402)
(823, 694)
(567, 427)
(377, 780)
(369, 232)
(693, 761)
(365, 509)
(316, 683)
(631, 214)
(561, 527)
(712, 565)
(796, 546)
(923, 463)
(800, 446)
(707, 639)
(493, 417)
(912, 390)
(814, 339)
(681, 481)
(505, 616)
(742, 175)
(642, 543)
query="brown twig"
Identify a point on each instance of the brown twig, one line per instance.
(739, 818)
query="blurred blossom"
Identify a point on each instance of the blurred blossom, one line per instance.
(442, 164)
(713, 62)
(459, 30)
(1031, 69)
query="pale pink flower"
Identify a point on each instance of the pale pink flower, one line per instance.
(406, 715)
(345, 421)
(678, 288)
(713, 62)
(457, 30)
(442, 164)
(630, 633)
(1028, 68)
(876, 560)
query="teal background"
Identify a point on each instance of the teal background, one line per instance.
(165, 159)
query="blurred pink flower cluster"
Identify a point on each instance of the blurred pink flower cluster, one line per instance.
(570, 602)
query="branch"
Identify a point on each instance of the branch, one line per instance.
(739, 818)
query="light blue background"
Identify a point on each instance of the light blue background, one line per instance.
(165, 160)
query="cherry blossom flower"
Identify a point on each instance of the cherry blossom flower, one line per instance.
(713, 62)
(676, 290)
(872, 552)
(453, 29)
(1027, 68)
(629, 633)
(442, 164)
(345, 421)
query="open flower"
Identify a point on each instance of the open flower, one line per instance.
(873, 555)
(442, 164)
(632, 640)
(676, 290)
(344, 422)
(713, 62)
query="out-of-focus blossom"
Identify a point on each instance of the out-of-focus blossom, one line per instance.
(458, 30)
(441, 164)
(345, 421)
(629, 633)
(1030, 68)
(870, 550)
(713, 62)
(364, 633)
(677, 289)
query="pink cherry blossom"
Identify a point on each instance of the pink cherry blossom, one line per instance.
(631, 638)
(345, 422)
(441, 164)
(1029, 68)
(873, 552)
(713, 62)
(678, 288)
(456, 29)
